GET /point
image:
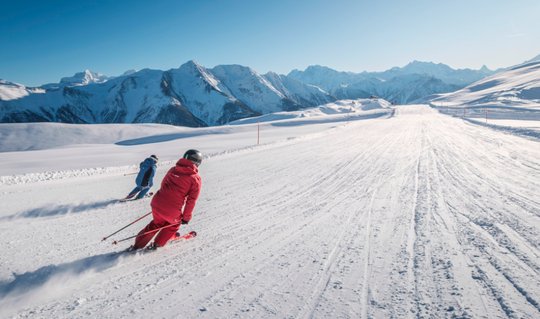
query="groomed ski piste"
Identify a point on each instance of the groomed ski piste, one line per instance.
(393, 212)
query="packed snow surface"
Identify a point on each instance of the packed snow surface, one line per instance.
(413, 215)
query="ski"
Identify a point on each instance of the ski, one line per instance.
(191, 234)
(134, 198)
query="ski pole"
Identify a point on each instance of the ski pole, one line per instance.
(148, 232)
(133, 222)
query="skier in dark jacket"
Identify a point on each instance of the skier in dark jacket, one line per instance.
(174, 202)
(145, 177)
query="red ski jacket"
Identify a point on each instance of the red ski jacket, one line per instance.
(180, 188)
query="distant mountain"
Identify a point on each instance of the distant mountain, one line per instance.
(189, 96)
(326, 78)
(297, 92)
(78, 79)
(400, 85)
(515, 87)
(439, 71)
(84, 78)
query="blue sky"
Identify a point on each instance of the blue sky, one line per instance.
(42, 41)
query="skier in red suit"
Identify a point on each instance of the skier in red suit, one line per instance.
(173, 203)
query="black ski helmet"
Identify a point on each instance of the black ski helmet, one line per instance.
(194, 156)
(154, 157)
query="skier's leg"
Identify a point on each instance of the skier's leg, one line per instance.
(165, 234)
(143, 192)
(141, 241)
(134, 192)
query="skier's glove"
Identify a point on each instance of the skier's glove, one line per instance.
(184, 222)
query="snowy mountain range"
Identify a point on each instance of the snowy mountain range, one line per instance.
(400, 85)
(189, 96)
(193, 95)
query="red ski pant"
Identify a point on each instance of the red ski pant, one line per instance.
(162, 236)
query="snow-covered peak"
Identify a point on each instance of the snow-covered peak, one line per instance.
(84, 78)
(192, 64)
(194, 69)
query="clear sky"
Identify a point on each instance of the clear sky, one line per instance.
(42, 41)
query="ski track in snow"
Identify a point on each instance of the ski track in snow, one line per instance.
(419, 215)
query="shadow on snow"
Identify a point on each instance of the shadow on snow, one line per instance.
(48, 211)
(25, 283)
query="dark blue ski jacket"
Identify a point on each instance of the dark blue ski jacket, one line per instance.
(145, 178)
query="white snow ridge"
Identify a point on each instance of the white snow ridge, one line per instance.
(355, 209)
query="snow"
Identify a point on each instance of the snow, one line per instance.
(250, 87)
(84, 78)
(351, 108)
(412, 214)
(508, 101)
(518, 87)
(13, 91)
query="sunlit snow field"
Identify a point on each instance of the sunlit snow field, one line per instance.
(388, 212)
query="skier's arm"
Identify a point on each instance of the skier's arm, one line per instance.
(190, 201)
(147, 178)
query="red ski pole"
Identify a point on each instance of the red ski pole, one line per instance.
(145, 233)
(133, 222)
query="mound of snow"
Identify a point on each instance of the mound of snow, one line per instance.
(342, 107)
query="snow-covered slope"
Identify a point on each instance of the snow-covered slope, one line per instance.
(41, 136)
(417, 215)
(508, 101)
(38, 136)
(13, 91)
(516, 87)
